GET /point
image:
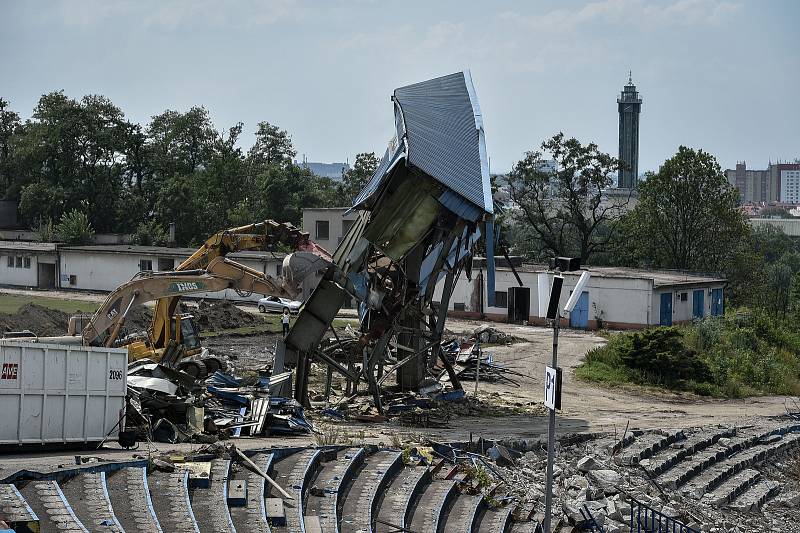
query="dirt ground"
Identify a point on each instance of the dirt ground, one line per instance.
(586, 407)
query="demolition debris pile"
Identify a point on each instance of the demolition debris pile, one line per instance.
(170, 405)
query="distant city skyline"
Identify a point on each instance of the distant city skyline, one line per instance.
(721, 75)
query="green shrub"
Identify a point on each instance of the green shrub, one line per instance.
(150, 233)
(75, 228)
(743, 353)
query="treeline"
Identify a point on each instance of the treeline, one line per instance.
(685, 216)
(83, 159)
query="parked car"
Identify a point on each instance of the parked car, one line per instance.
(274, 304)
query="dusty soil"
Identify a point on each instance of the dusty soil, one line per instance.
(40, 320)
(586, 407)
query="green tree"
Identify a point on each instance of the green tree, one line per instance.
(687, 216)
(357, 177)
(41, 200)
(9, 123)
(150, 233)
(567, 208)
(75, 228)
(273, 146)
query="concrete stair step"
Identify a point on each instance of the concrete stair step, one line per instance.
(464, 514)
(360, 502)
(496, 520)
(294, 474)
(433, 505)
(733, 487)
(252, 517)
(401, 495)
(648, 445)
(14, 509)
(49, 504)
(169, 492)
(670, 457)
(756, 496)
(210, 504)
(324, 497)
(129, 493)
(87, 493)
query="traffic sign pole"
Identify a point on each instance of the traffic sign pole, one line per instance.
(551, 435)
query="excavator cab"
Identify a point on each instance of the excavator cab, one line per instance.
(184, 330)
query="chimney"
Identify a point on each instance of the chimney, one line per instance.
(172, 234)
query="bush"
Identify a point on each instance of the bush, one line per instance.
(150, 233)
(741, 354)
(75, 228)
(662, 356)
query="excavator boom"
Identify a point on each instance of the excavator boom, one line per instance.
(219, 274)
(264, 235)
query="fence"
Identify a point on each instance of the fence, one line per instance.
(647, 520)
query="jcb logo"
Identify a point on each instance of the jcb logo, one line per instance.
(9, 371)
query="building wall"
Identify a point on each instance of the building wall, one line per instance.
(24, 277)
(613, 302)
(790, 186)
(790, 226)
(102, 271)
(337, 221)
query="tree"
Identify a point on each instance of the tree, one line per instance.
(687, 216)
(9, 122)
(566, 206)
(273, 146)
(75, 228)
(357, 177)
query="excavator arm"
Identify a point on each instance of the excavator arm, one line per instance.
(259, 236)
(219, 274)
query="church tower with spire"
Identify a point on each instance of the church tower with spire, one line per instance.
(629, 105)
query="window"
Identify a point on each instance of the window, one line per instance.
(323, 230)
(166, 264)
(459, 306)
(145, 264)
(500, 299)
(279, 269)
(26, 262)
(19, 261)
(684, 296)
(10, 261)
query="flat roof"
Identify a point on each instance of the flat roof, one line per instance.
(164, 251)
(660, 278)
(27, 246)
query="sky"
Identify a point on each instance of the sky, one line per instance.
(721, 75)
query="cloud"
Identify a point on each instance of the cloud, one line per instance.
(633, 12)
(173, 14)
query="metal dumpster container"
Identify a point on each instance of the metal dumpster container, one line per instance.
(58, 393)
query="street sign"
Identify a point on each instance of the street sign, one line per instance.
(552, 388)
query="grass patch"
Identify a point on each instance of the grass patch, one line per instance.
(738, 355)
(10, 304)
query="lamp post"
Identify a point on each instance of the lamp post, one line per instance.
(552, 373)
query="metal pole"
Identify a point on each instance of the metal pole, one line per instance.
(551, 437)
(477, 364)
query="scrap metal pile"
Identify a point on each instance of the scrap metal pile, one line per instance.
(420, 215)
(169, 405)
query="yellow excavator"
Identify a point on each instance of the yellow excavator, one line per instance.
(175, 336)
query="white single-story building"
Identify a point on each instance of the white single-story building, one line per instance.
(106, 267)
(616, 298)
(29, 264)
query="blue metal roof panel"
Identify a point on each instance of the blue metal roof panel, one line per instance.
(444, 130)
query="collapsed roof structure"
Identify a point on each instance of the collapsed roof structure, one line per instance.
(421, 213)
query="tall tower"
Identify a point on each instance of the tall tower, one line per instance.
(630, 105)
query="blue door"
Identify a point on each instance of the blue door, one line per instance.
(579, 317)
(717, 307)
(699, 304)
(666, 309)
